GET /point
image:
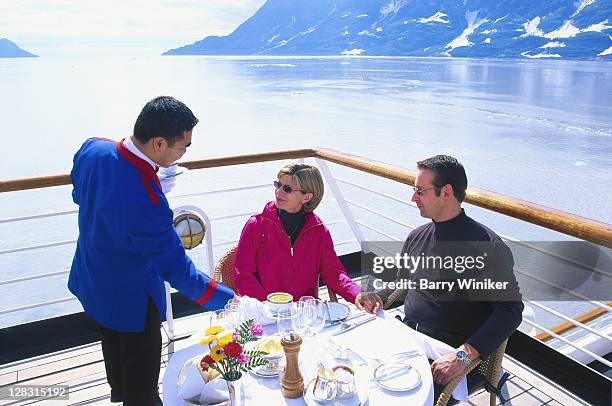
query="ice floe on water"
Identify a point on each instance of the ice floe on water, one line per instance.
(280, 65)
(560, 125)
(354, 51)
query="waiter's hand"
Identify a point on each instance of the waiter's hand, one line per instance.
(369, 301)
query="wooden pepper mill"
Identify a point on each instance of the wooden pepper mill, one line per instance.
(293, 383)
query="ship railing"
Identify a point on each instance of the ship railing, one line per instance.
(572, 225)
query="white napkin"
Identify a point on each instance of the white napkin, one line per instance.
(191, 385)
(167, 184)
(252, 308)
(434, 349)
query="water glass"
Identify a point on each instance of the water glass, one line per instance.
(233, 314)
(219, 318)
(284, 324)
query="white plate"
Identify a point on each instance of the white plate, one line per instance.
(359, 398)
(338, 312)
(401, 377)
(264, 373)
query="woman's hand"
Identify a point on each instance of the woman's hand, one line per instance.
(369, 301)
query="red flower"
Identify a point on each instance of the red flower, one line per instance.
(206, 362)
(232, 349)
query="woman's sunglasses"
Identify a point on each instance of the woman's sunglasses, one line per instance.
(286, 188)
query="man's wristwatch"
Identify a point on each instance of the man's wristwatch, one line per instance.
(462, 356)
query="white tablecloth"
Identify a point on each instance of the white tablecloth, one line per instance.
(377, 339)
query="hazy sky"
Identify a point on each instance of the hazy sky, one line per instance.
(117, 27)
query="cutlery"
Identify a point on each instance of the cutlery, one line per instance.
(406, 354)
(362, 361)
(351, 317)
(329, 317)
(393, 373)
(344, 327)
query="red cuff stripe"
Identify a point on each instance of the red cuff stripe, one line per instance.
(208, 293)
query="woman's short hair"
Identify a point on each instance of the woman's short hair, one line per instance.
(308, 179)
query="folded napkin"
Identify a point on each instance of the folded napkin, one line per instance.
(434, 349)
(252, 308)
(192, 385)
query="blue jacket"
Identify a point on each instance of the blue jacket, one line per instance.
(127, 246)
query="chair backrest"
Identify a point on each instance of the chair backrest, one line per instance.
(224, 271)
(490, 367)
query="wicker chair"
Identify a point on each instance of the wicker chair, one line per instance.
(489, 368)
(224, 272)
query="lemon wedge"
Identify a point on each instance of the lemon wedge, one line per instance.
(271, 345)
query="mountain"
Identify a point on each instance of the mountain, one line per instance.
(459, 28)
(8, 49)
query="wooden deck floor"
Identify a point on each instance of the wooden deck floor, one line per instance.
(82, 368)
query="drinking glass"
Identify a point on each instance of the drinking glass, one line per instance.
(315, 309)
(233, 314)
(219, 318)
(297, 318)
(284, 324)
(306, 298)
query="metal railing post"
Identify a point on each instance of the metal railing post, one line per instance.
(346, 211)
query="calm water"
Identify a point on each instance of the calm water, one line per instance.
(537, 130)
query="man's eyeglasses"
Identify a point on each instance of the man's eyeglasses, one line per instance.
(286, 188)
(419, 191)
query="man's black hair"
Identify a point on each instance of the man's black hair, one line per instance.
(447, 170)
(164, 117)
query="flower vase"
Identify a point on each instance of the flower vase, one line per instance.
(234, 390)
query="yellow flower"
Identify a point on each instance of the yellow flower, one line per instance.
(208, 339)
(217, 353)
(226, 339)
(213, 330)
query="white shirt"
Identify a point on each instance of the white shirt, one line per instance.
(129, 144)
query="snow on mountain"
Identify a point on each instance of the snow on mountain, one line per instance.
(467, 28)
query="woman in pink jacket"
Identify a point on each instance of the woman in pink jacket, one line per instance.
(287, 247)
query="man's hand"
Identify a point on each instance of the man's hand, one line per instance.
(445, 368)
(448, 366)
(369, 301)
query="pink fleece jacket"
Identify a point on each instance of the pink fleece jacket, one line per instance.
(266, 263)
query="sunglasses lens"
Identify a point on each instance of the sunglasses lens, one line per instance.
(286, 188)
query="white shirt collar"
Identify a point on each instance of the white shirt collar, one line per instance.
(129, 144)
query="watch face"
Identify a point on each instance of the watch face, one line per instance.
(462, 355)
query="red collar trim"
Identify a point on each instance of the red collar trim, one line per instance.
(147, 173)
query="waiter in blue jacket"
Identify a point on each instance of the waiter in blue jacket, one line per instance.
(127, 246)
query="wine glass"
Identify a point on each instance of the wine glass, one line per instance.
(306, 299)
(298, 321)
(316, 311)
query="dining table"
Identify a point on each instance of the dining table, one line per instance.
(371, 345)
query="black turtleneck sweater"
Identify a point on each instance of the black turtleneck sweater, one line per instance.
(293, 223)
(484, 324)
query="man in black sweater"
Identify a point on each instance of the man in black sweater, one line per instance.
(475, 322)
